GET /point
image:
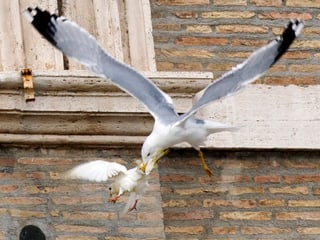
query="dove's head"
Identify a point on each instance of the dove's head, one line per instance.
(114, 189)
(151, 153)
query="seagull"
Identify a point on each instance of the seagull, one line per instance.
(133, 180)
(170, 128)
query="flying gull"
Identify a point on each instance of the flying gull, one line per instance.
(170, 128)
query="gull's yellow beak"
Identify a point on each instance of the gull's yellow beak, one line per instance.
(149, 166)
(143, 167)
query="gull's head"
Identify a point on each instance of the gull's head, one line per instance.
(151, 155)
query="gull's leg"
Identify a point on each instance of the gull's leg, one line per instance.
(204, 164)
(134, 207)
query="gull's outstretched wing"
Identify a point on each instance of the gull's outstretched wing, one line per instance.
(97, 171)
(77, 43)
(248, 71)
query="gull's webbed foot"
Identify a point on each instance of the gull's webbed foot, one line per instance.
(204, 164)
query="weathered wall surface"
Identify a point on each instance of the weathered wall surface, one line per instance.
(33, 191)
(209, 35)
(252, 195)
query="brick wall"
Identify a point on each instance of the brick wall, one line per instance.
(252, 195)
(33, 191)
(215, 35)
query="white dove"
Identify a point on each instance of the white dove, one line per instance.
(170, 128)
(133, 180)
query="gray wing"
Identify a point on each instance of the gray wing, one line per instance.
(78, 44)
(248, 71)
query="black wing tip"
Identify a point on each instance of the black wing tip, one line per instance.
(42, 20)
(291, 32)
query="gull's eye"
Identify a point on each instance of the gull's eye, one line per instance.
(148, 155)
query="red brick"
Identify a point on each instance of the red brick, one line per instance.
(305, 68)
(234, 54)
(65, 200)
(285, 15)
(219, 67)
(22, 200)
(185, 230)
(311, 31)
(150, 216)
(246, 190)
(27, 214)
(242, 29)
(189, 66)
(182, 2)
(165, 66)
(195, 53)
(312, 216)
(141, 230)
(224, 179)
(176, 178)
(188, 215)
(299, 164)
(285, 81)
(231, 2)
(267, 179)
(176, 203)
(301, 178)
(303, 4)
(8, 188)
(196, 191)
(8, 162)
(23, 176)
(257, 216)
(244, 203)
(267, 3)
(75, 237)
(309, 230)
(79, 228)
(296, 55)
(248, 42)
(187, 14)
(44, 161)
(316, 191)
(228, 14)
(306, 44)
(301, 190)
(88, 215)
(224, 230)
(264, 230)
(201, 41)
(304, 203)
(235, 164)
(166, 26)
(271, 202)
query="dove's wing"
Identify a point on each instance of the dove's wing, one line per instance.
(96, 171)
(77, 43)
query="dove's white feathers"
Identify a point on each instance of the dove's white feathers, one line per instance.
(133, 180)
(97, 171)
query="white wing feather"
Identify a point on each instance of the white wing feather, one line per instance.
(97, 171)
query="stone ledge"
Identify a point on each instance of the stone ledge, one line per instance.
(76, 107)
